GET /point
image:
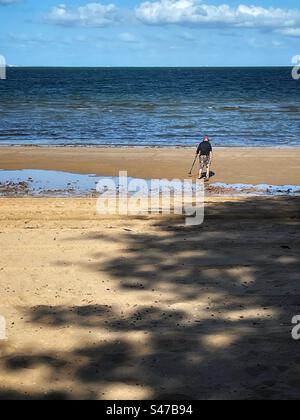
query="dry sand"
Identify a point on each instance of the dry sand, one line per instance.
(231, 165)
(115, 308)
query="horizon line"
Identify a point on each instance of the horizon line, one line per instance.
(10, 66)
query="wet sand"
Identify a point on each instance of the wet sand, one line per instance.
(231, 165)
(120, 308)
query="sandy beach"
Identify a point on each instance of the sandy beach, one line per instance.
(123, 276)
(120, 308)
(102, 307)
(231, 165)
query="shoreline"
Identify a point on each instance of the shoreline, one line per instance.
(230, 165)
(120, 146)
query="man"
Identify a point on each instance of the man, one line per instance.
(206, 153)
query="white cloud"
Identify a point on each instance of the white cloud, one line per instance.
(277, 44)
(24, 38)
(198, 13)
(92, 14)
(7, 2)
(293, 32)
(127, 37)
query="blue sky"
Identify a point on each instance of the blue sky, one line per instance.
(149, 33)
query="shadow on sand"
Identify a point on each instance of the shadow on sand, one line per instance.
(221, 328)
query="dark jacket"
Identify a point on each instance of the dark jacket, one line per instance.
(204, 148)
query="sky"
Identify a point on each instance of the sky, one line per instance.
(149, 33)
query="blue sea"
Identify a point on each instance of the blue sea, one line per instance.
(149, 106)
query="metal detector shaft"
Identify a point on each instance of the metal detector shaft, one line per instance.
(193, 165)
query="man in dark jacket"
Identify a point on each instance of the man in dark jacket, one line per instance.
(205, 151)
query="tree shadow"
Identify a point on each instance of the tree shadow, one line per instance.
(213, 313)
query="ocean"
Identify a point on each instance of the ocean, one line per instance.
(149, 106)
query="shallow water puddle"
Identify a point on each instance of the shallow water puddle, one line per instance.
(40, 182)
(53, 183)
